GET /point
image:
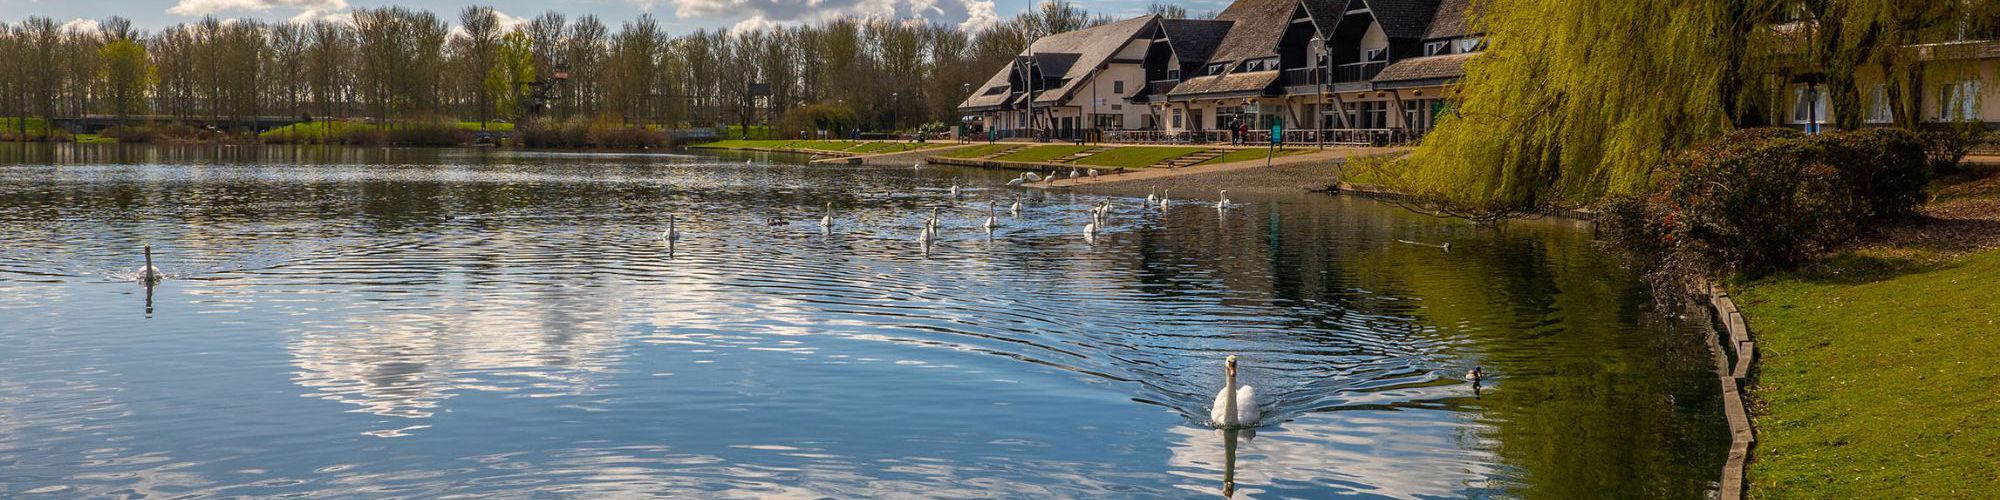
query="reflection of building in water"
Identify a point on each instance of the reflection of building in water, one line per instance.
(406, 364)
(1404, 456)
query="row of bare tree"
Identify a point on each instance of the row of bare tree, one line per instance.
(392, 63)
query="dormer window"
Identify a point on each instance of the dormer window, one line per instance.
(1373, 55)
(1467, 45)
(1437, 48)
(1215, 69)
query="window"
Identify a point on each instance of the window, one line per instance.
(1372, 55)
(1117, 87)
(1117, 107)
(1215, 69)
(1177, 118)
(1173, 74)
(1436, 48)
(1878, 105)
(1959, 101)
(1467, 45)
(1809, 105)
(1112, 122)
(1370, 114)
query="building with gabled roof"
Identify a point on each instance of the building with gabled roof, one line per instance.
(1313, 69)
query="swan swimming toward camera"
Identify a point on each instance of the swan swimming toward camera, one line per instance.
(1223, 202)
(1153, 196)
(1235, 406)
(826, 221)
(992, 216)
(150, 275)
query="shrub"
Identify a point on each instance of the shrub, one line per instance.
(1947, 146)
(1761, 200)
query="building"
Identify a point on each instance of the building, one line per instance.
(1337, 71)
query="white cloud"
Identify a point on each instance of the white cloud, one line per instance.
(754, 23)
(80, 25)
(751, 14)
(308, 10)
(980, 15)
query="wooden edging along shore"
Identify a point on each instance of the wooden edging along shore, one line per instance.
(1735, 353)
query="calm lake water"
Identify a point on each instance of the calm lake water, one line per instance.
(371, 322)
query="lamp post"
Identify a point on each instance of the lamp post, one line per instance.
(962, 129)
(1320, 59)
(894, 98)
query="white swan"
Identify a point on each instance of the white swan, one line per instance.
(826, 222)
(670, 235)
(1032, 177)
(992, 217)
(1223, 203)
(1153, 196)
(150, 275)
(1017, 181)
(1164, 202)
(1093, 173)
(1235, 406)
(1015, 211)
(1072, 172)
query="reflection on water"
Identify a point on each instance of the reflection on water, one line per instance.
(368, 322)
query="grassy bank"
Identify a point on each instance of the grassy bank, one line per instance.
(1878, 375)
(850, 147)
(1253, 154)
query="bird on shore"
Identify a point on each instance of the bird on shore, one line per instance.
(149, 274)
(1235, 405)
(1073, 173)
(1017, 181)
(1031, 176)
(1093, 173)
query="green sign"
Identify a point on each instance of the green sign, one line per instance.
(1277, 133)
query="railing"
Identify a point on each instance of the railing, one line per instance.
(1298, 76)
(1358, 72)
(1345, 137)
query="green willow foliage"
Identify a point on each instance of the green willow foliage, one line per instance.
(1577, 100)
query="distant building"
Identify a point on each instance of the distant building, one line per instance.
(1349, 71)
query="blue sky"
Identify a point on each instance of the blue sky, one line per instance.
(679, 16)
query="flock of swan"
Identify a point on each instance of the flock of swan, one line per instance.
(1235, 406)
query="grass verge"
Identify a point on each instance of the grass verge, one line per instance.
(1040, 154)
(1241, 155)
(1877, 375)
(1882, 386)
(1138, 156)
(976, 151)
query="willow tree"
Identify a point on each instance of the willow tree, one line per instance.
(1573, 100)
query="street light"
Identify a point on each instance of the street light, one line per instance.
(1319, 122)
(894, 98)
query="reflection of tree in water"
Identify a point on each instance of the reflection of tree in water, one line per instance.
(1595, 394)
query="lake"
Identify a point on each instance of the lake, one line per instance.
(427, 322)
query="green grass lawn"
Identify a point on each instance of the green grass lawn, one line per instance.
(314, 129)
(976, 151)
(1138, 156)
(1880, 376)
(1040, 154)
(14, 123)
(863, 147)
(95, 139)
(490, 126)
(1251, 154)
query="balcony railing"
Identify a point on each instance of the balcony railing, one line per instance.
(1297, 76)
(1344, 137)
(1358, 72)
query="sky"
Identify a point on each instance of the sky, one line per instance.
(677, 16)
